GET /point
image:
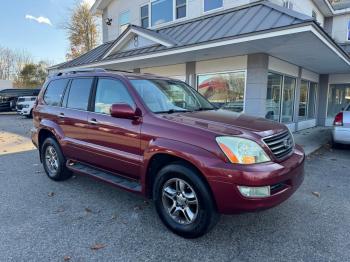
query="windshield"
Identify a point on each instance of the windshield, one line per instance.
(167, 96)
(21, 100)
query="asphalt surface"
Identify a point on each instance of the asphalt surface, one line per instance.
(42, 220)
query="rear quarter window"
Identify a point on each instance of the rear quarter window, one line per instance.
(54, 92)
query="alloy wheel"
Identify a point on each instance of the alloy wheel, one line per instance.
(180, 201)
(51, 159)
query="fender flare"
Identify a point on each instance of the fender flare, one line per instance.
(194, 155)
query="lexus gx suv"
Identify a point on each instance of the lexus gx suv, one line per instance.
(158, 137)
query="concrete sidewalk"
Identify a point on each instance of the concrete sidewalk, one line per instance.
(313, 138)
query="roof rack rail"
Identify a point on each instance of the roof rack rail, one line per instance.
(85, 70)
(117, 70)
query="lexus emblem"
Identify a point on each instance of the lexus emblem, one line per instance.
(287, 143)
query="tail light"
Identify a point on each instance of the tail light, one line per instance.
(338, 120)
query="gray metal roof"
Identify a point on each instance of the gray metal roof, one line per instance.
(253, 18)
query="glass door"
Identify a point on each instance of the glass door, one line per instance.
(273, 98)
(303, 101)
(289, 84)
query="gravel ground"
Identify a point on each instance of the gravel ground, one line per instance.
(42, 220)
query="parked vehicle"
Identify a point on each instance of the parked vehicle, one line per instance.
(25, 105)
(8, 97)
(160, 138)
(341, 129)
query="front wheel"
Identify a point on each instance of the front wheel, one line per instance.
(183, 201)
(54, 161)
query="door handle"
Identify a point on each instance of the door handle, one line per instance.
(93, 121)
(61, 115)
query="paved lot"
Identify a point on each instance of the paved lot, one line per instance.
(42, 220)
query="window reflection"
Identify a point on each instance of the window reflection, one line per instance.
(162, 11)
(338, 98)
(273, 98)
(224, 90)
(303, 101)
(288, 99)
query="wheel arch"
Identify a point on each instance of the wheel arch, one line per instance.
(43, 134)
(159, 156)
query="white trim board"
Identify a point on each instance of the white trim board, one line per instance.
(129, 35)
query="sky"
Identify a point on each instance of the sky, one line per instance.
(34, 26)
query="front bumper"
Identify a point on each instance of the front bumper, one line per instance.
(284, 179)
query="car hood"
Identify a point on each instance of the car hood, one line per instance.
(225, 122)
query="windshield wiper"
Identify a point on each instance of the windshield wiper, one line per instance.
(205, 109)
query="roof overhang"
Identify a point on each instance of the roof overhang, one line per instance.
(98, 6)
(327, 9)
(305, 45)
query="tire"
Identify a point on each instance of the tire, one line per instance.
(200, 217)
(30, 114)
(53, 161)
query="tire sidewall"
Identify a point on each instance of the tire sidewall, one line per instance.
(206, 210)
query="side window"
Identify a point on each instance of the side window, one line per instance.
(79, 93)
(212, 4)
(144, 16)
(109, 92)
(54, 92)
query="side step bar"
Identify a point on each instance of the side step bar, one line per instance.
(105, 176)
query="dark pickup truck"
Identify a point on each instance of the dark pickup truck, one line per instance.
(8, 97)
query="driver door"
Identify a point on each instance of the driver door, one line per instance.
(116, 141)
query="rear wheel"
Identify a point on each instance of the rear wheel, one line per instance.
(54, 161)
(183, 201)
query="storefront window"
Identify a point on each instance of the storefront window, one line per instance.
(224, 90)
(288, 99)
(338, 98)
(312, 100)
(303, 101)
(273, 99)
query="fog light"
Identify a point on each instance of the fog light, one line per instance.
(255, 191)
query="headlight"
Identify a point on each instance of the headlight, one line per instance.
(241, 150)
(25, 106)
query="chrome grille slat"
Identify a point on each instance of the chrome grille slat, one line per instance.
(281, 145)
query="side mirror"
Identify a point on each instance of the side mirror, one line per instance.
(124, 111)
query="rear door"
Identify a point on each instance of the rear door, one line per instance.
(72, 118)
(116, 141)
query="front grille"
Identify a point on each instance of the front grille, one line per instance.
(281, 145)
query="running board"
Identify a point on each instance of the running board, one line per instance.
(105, 176)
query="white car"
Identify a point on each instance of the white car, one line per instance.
(341, 130)
(25, 105)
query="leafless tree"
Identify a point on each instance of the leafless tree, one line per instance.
(12, 62)
(82, 30)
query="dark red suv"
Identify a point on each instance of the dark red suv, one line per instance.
(160, 138)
